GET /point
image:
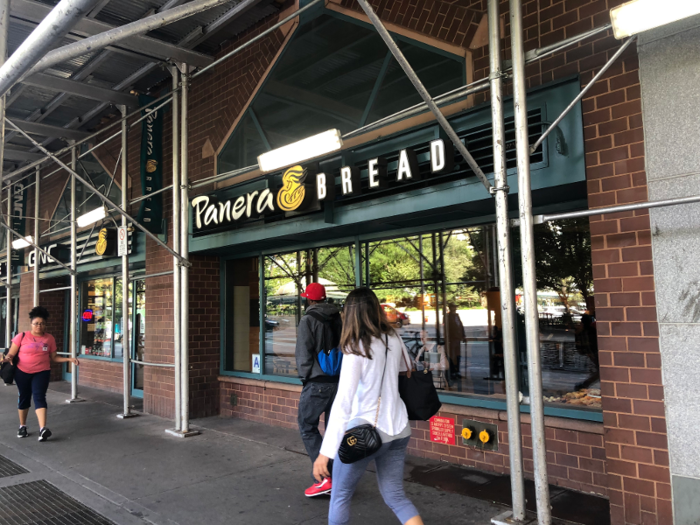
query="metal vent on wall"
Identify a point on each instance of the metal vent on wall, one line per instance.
(480, 145)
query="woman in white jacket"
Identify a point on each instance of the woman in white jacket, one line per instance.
(369, 344)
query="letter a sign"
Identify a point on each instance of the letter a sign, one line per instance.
(256, 363)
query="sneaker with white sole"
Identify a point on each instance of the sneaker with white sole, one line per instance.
(22, 432)
(319, 489)
(44, 434)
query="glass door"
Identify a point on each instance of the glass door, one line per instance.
(138, 332)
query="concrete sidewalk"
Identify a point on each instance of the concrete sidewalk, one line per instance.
(132, 472)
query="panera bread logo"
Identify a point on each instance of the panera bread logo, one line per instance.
(304, 189)
(292, 194)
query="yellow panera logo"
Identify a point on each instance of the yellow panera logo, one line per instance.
(101, 246)
(151, 165)
(293, 192)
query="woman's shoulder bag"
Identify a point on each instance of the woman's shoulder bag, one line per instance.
(363, 440)
(418, 392)
(7, 370)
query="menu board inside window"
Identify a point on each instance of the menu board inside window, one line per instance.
(96, 318)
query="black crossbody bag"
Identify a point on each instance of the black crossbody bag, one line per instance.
(363, 440)
(7, 370)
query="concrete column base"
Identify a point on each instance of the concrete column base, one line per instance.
(181, 434)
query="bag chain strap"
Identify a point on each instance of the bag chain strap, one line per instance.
(381, 386)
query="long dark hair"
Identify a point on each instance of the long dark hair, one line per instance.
(363, 318)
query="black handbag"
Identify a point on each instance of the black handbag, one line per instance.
(363, 440)
(7, 370)
(418, 392)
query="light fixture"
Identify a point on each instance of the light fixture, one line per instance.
(298, 152)
(18, 244)
(92, 217)
(641, 15)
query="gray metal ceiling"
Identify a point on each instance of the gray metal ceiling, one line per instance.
(109, 68)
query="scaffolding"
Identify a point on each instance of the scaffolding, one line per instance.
(183, 73)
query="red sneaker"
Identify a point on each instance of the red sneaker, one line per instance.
(318, 489)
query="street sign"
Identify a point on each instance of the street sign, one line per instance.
(122, 239)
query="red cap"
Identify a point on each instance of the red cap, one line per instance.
(315, 292)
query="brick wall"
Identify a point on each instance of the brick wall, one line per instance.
(575, 453)
(105, 375)
(205, 335)
(452, 22)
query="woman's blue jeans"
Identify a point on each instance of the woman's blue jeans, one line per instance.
(390, 467)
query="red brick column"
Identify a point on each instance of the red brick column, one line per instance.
(635, 425)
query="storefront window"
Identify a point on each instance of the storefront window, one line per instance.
(286, 276)
(439, 290)
(334, 73)
(90, 168)
(118, 320)
(96, 325)
(101, 325)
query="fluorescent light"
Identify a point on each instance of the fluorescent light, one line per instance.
(306, 149)
(92, 217)
(641, 15)
(18, 244)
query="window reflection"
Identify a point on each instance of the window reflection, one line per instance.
(96, 324)
(440, 292)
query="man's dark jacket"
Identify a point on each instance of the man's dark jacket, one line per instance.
(310, 342)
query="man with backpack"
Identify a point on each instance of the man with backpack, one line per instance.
(318, 337)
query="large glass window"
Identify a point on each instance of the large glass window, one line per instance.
(334, 73)
(439, 290)
(101, 320)
(91, 169)
(97, 317)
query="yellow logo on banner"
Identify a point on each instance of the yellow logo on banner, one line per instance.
(101, 246)
(151, 165)
(293, 192)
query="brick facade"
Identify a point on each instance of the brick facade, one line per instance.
(575, 451)
(633, 467)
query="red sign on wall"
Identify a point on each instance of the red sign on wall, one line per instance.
(442, 430)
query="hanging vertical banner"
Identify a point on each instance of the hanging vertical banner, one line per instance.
(151, 210)
(19, 211)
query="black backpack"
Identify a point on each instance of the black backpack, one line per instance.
(330, 358)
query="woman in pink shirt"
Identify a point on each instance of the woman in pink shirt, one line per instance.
(36, 351)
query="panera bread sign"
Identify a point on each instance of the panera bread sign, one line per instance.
(305, 189)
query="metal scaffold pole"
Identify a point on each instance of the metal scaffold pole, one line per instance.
(52, 28)
(8, 246)
(73, 282)
(527, 247)
(177, 289)
(37, 202)
(4, 28)
(423, 92)
(505, 273)
(184, 254)
(126, 340)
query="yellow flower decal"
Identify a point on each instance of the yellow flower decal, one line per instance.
(293, 192)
